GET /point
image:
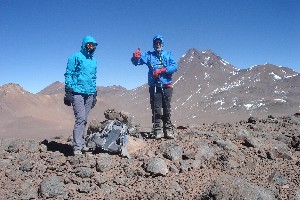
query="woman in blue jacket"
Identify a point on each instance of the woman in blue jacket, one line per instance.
(80, 88)
(161, 65)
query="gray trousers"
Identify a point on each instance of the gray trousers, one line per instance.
(82, 105)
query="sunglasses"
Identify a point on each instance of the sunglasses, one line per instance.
(157, 42)
(90, 45)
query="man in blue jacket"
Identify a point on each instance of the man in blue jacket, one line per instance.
(80, 88)
(161, 65)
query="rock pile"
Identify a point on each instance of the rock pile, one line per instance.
(251, 159)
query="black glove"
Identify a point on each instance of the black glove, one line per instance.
(68, 98)
(94, 99)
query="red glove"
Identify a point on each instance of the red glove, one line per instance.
(137, 54)
(157, 72)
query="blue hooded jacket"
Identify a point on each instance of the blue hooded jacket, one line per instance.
(81, 70)
(155, 60)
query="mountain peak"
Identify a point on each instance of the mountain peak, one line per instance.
(12, 88)
(54, 88)
(195, 52)
(205, 59)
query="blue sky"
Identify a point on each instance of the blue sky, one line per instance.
(38, 36)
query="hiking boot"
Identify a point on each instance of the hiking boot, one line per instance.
(170, 135)
(157, 129)
(168, 130)
(77, 152)
(158, 134)
(85, 149)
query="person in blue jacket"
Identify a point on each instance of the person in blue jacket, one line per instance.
(80, 88)
(161, 65)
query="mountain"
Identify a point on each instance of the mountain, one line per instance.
(207, 89)
(55, 88)
(32, 115)
(207, 85)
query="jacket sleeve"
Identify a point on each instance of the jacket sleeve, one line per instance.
(95, 77)
(171, 64)
(69, 72)
(142, 60)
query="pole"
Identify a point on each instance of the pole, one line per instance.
(161, 86)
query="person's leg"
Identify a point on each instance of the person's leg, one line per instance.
(156, 107)
(88, 107)
(79, 113)
(166, 104)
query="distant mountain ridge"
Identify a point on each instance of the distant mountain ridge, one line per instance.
(206, 89)
(215, 86)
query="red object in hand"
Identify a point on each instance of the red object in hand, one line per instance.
(157, 72)
(137, 54)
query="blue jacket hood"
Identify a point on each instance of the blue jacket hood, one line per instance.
(87, 39)
(81, 71)
(159, 37)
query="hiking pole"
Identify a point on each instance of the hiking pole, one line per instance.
(154, 103)
(156, 82)
(161, 86)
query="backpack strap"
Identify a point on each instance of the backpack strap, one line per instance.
(123, 136)
(108, 128)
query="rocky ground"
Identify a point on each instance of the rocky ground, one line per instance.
(251, 159)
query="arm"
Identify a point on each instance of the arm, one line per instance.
(68, 98)
(171, 66)
(69, 72)
(138, 58)
(94, 78)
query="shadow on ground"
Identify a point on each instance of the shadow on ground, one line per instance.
(53, 146)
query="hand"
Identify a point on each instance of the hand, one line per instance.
(157, 72)
(137, 54)
(68, 98)
(94, 99)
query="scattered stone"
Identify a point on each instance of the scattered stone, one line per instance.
(173, 152)
(174, 169)
(53, 187)
(205, 152)
(27, 166)
(227, 145)
(84, 187)
(253, 142)
(243, 134)
(104, 163)
(209, 161)
(27, 191)
(278, 179)
(228, 187)
(156, 166)
(84, 172)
